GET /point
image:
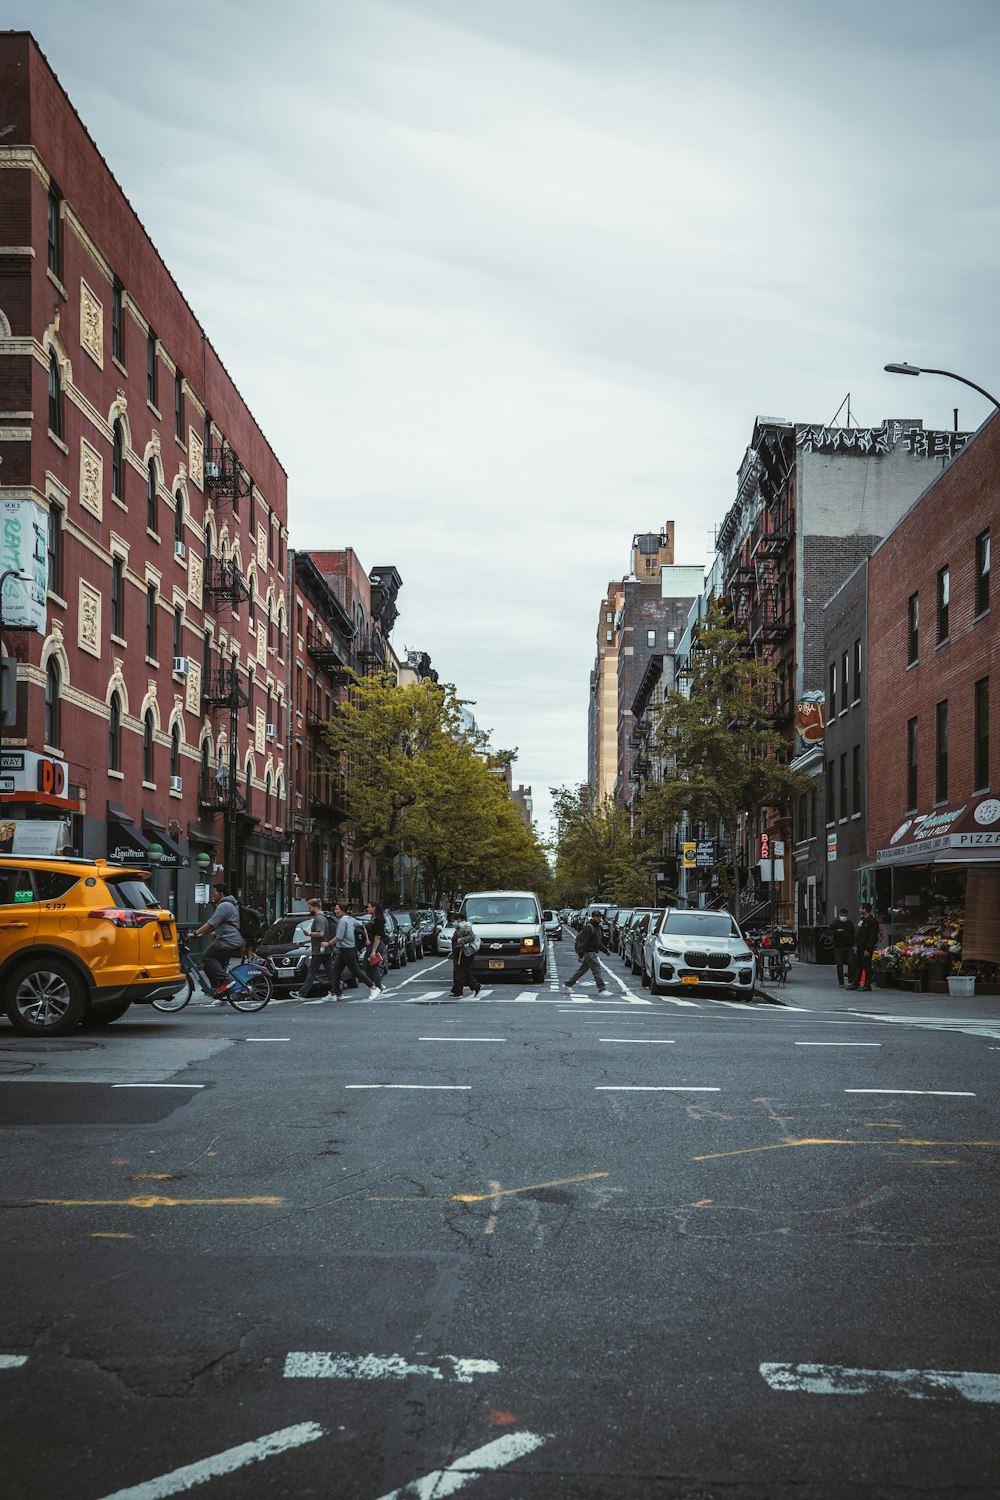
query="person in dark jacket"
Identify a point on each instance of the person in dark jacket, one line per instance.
(865, 941)
(842, 938)
(378, 954)
(223, 923)
(464, 946)
(588, 945)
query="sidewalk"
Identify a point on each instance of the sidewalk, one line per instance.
(815, 987)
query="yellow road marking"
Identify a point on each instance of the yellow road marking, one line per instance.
(151, 1202)
(488, 1197)
(820, 1141)
(153, 1177)
(106, 1235)
(883, 1125)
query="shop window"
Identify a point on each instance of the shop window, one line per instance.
(913, 629)
(982, 572)
(981, 735)
(55, 396)
(911, 765)
(941, 752)
(943, 601)
(53, 692)
(115, 734)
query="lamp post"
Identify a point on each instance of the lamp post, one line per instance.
(155, 852)
(204, 863)
(905, 369)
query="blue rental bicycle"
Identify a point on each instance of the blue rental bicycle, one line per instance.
(247, 985)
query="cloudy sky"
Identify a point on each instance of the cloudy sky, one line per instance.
(504, 281)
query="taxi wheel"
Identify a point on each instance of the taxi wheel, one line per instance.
(46, 998)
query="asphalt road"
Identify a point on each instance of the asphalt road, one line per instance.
(533, 1245)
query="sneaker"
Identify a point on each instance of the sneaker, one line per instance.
(374, 993)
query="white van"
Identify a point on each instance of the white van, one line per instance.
(511, 932)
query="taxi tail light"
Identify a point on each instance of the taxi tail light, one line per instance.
(122, 916)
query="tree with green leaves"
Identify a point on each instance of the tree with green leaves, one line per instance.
(598, 853)
(724, 757)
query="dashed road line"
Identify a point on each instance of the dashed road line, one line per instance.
(157, 1085)
(12, 1361)
(979, 1386)
(933, 1093)
(316, 1365)
(226, 1462)
(838, 1044)
(432, 1087)
(653, 1088)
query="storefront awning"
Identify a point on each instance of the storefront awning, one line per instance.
(128, 845)
(172, 857)
(202, 833)
(965, 833)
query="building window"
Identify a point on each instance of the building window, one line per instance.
(54, 550)
(267, 798)
(831, 692)
(55, 231)
(607, 635)
(943, 597)
(911, 765)
(147, 746)
(281, 635)
(178, 630)
(151, 610)
(270, 538)
(671, 639)
(856, 777)
(913, 629)
(607, 619)
(175, 751)
(843, 683)
(982, 572)
(650, 637)
(831, 805)
(117, 322)
(981, 735)
(53, 693)
(941, 753)
(117, 597)
(856, 694)
(270, 627)
(115, 734)
(152, 503)
(55, 396)
(251, 598)
(281, 551)
(118, 461)
(843, 786)
(207, 653)
(178, 518)
(250, 682)
(178, 404)
(151, 368)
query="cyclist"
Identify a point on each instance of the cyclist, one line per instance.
(227, 940)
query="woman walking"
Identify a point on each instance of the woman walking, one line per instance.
(464, 947)
(378, 953)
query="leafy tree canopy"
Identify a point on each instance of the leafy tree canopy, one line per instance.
(598, 855)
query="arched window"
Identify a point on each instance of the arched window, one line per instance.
(55, 396)
(53, 692)
(147, 746)
(178, 519)
(152, 509)
(267, 798)
(270, 627)
(118, 460)
(175, 750)
(204, 769)
(281, 633)
(115, 734)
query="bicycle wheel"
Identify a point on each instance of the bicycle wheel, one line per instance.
(178, 999)
(250, 991)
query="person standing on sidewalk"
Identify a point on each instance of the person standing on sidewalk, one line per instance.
(321, 956)
(378, 953)
(464, 947)
(347, 953)
(865, 940)
(842, 938)
(588, 946)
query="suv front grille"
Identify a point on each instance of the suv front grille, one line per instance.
(696, 960)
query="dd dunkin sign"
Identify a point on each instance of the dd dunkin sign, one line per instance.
(810, 718)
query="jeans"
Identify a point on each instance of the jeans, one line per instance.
(588, 961)
(214, 961)
(321, 958)
(347, 958)
(378, 971)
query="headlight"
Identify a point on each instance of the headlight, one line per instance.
(529, 942)
(669, 952)
(741, 957)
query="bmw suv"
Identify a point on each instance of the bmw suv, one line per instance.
(687, 949)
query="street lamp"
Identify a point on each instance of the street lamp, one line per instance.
(905, 369)
(155, 852)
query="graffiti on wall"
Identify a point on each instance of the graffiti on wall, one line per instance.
(881, 440)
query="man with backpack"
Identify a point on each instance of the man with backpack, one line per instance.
(588, 945)
(321, 956)
(346, 941)
(227, 938)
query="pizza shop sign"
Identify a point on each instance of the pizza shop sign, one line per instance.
(972, 825)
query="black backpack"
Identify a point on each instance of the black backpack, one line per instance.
(251, 923)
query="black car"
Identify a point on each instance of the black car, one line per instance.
(285, 951)
(411, 934)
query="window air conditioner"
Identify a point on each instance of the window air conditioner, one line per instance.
(182, 665)
(180, 551)
(272, 731)
(176, 783)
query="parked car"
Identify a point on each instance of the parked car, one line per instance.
(427, 925)
(686, 949)
(445, 933)
(75, 935)
(618, 924)
(411, 936)
(635, 935)
(553, 925)
(509, 923)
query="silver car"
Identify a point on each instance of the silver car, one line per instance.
(689, 949)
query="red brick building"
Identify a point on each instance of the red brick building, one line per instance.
(933, 695)
(153, 686)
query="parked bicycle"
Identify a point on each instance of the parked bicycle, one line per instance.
(247, 984)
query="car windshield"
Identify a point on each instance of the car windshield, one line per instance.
(403, 918)
(286, 930)
(516, 910)
(127, 891)
(705, 924)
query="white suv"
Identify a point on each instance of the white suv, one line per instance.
(687, 949)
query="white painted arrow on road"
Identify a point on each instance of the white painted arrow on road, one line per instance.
(316, 1365)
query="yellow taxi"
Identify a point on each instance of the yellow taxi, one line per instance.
(80, 941)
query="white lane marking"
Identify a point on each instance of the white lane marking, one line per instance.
(463, 1471)
(737, 1005)
(640, 1041)
(675, 1000)
(317, 1365)
(569, 1011)
(12, 1361)
(156, 1085)
(838, 1044)
(524, 995)
(804, 1008)
(616, 977)
(433, 1086)
(918, 1385)
(267, 1039)
(936, 1093)
(222, 1463)
(461, 1038)
(658, 1088)
(398, 985)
